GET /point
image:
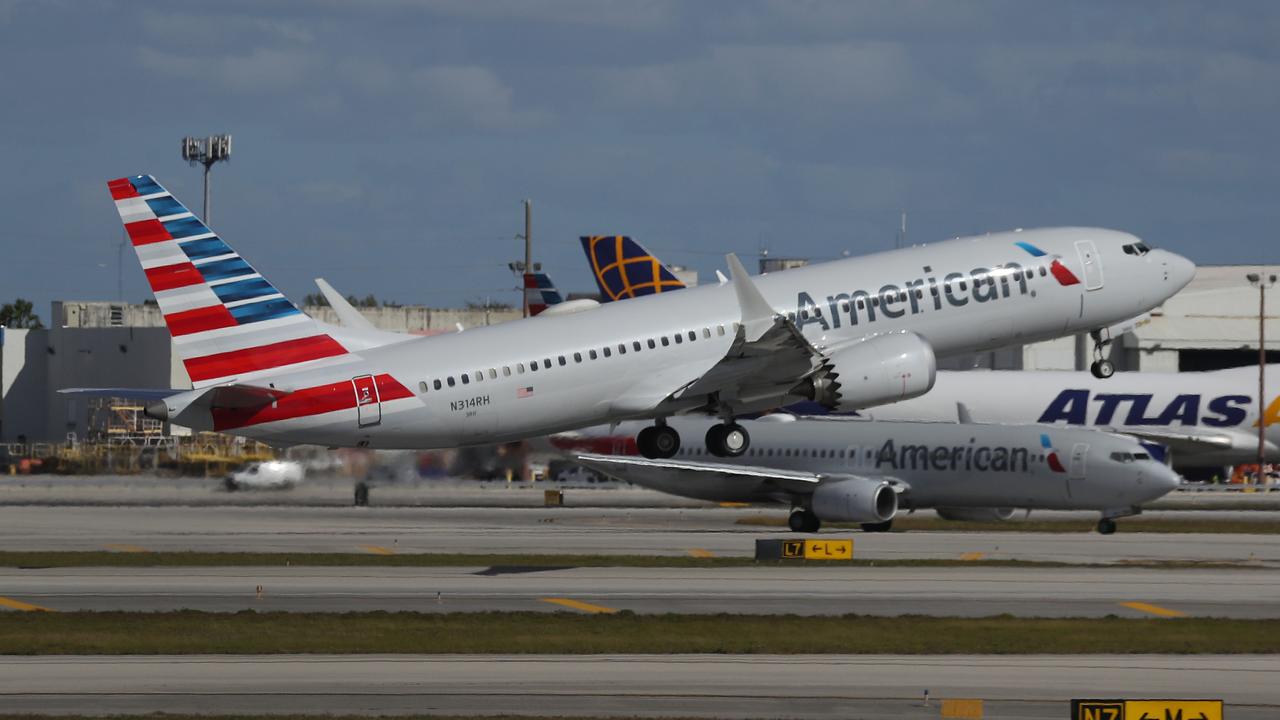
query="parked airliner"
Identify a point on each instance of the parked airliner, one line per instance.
(851, 333)
(838, 469)
(1207, 419)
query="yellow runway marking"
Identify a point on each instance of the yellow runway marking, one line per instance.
(700, 553)
(972, 556)
(734, 504)
(579, 605)
(121, 547)
(377, 549)
(19, 605)
(1153, 609)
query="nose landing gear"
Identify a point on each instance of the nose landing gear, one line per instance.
(1101, 368)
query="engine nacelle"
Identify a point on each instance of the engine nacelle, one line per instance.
(966, 514)
(875, 371)
(859, 500)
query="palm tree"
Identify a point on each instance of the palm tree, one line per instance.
(19, 314)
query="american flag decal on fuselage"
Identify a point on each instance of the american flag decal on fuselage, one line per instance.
(227, 321)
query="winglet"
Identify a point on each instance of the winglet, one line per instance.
(347, 315)
(962, 414)
(757, 313)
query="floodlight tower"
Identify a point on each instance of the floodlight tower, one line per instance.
(206, 151)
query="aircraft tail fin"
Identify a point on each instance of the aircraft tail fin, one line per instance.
(226, 319)
(624, 269)
(539, 292)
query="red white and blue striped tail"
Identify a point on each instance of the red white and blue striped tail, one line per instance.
(228, 323)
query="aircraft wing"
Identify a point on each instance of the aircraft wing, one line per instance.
(1192, 440)
(633, 467)
(769, 356)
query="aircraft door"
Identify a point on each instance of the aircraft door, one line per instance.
(368, 404)
(1091, 263)
(853, 457)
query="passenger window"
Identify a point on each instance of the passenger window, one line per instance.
(607, 352)
(706, 333)
(422, 386)
(679, 338)
(622, 348)
(466, 379)
(533, 366)
(720, 330)
(1042, 273)
(450, 381)
(519, 368)
(692, 336)
(665, 341)
(436, 383)
(577, 357)
(506, 371)
(479, 376)
(563, 361)
(592, 354)
(651, 344)
(493, 374)
(546, 363)
(635, 345)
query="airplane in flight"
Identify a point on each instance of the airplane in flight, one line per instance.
(1207, 419)
(841, 470)
(850, 333)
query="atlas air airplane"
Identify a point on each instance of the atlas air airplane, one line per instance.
(842, 470)
(1207, 419)
(851, 333)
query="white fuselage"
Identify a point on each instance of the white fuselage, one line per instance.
(622, 360)
(1219, 407)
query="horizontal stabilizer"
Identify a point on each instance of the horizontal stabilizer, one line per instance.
(130, 393)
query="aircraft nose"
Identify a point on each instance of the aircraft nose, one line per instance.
(1160, 481)
(1177, 270)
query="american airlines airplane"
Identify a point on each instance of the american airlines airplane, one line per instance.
(1207, 419)
(850, 334)
(838, 469)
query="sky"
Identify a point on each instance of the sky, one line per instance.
(386, 145)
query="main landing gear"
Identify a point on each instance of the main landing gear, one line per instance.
(661, 441)
(658, 441)
(1101, 368)
(727, 439)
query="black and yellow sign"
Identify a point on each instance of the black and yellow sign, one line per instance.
(1146, 710)
(804, 549)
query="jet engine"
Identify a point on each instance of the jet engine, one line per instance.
(966, 514)
(878, 370)
(860, 500)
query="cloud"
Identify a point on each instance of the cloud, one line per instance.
(262, 70)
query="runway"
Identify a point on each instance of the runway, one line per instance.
(608, 531)
(822, 686)
(956, 591)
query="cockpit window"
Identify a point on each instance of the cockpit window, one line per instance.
(1136, 249)
(1123, 457)
(1141, 456)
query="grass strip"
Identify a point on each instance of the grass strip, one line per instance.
(69, 559)
(1267, 524)
(249, 632)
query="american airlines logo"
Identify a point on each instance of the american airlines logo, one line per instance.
(1074, 407)
(957, 289)
(952, 457)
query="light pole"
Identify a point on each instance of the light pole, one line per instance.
(1262, 281)
(206, 152)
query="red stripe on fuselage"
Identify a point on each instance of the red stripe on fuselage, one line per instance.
(145, 232)
(263, 357)
(168, 277)
(1062, 274)
(121, 188)
(199, 320)
(305, 403)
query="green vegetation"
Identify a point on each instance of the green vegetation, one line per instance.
(55, 559)
(190, 632)
(1264, 525)
(19, 314)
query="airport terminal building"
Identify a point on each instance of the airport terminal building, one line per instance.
(1211, 324)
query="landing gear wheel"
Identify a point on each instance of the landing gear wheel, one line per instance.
(1106, 526)
(658, 442)
(877, 527)
(1102, 369)
(727, 440)
(805, 521)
